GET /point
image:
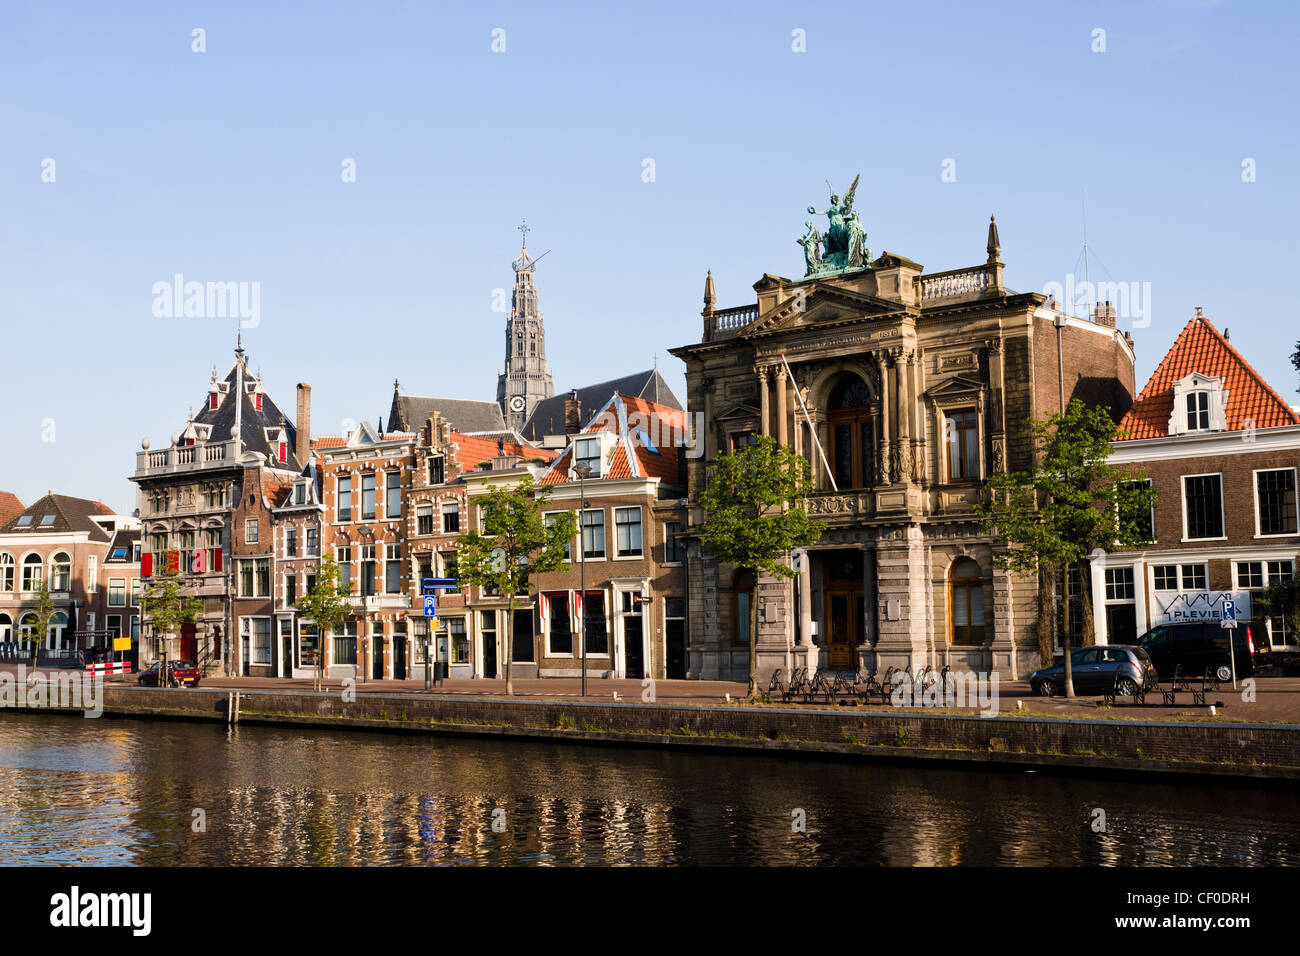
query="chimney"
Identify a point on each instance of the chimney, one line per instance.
(572, 413)
(1104, 314)
(302, 450)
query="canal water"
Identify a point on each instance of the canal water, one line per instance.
(130, 792)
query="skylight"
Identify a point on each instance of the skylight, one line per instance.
(119, 553)
(47, 520)
(24, 521)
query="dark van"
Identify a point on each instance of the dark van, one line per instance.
(1196, 645)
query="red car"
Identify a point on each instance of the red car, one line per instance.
(181, 673)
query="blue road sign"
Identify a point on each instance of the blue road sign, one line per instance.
(430, 606)
(1229, 609)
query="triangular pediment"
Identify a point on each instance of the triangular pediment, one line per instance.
(364, 434)
(957, 385)
(738, 410)
(818, 303)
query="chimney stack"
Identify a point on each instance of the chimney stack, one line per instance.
(302, 449)
(1104, 314)
(572, 413)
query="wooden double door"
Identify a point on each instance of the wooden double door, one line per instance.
(845, 607)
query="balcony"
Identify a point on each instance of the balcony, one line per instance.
(725, 323)
(186, 458)
(955, 284)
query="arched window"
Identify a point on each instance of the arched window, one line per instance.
(57, 636)
(966, 601)
(6, 573)
(31, 572)
(27, 624)
(852, 434)
(6, 625)
(61, 572)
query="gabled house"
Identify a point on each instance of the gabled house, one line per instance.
(1222, 449)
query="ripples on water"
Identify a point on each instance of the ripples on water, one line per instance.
(123, 792)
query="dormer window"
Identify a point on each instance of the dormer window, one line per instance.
(214, 399)
(284, 451)
(300, 493)
(1200, 405)
(1198, 411)
(586, 451)
(257, 403)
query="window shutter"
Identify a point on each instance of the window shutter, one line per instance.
(284, 451)
(216, 559)
(173, 562)
(146, 565)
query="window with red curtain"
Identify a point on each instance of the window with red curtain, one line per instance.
(212, 400)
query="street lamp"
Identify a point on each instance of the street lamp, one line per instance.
(583, 472)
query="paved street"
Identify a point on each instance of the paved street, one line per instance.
(1277, 698)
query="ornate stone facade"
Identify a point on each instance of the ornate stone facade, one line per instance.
(904, 390)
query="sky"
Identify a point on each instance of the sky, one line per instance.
(645, 145)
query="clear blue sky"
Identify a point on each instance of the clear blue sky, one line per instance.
(225, 166)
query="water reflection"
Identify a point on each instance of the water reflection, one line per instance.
(109, 792)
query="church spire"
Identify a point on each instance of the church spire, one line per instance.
(526, 380)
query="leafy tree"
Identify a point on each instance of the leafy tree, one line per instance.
(325, 604)
(516, 543)
(169, 608)
(1282, 599)
(43, 610)
(752, 519)
(1295, 359)
(1070, 503)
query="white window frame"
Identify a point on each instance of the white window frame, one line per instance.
(1254, 486)
(575, 648)
(92, 574)
(1223, 518)
(568, 549)
(604, 534)
(251, 531)
(680, 544)
(124, 585)
(1181, 577)
(640, 553)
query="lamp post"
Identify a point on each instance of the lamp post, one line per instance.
(583, 472)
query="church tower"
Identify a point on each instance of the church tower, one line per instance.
(525, 380)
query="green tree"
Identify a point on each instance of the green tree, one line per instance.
(752, 517)
(326, 604)
(1282, 600)
(43, 610)
(516, 544)
(166, 604)
(1070, 502)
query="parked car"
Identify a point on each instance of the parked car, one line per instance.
(1196, 645)
(1094, 671)
(182, 673)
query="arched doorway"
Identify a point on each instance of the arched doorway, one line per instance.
(966, 603)
(852, 433)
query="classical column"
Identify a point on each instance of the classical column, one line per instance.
(883, 439)
(782, 387)
(904, 372)
(763, 402)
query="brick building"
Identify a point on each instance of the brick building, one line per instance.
(60, 541)
(205, 499)
(904, 390)
(119, 586)
(1222, 449)
(298, 524)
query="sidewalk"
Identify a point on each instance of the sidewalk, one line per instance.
(1277, 698)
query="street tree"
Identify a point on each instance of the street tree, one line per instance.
(327, 606)
(1070, 503)
(1282, 600)
(167, 605)
(754, 517)
(39, 618)
(515, 544)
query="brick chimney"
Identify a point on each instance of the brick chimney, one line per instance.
(572, 413)
(1104, 314)
(302, 449)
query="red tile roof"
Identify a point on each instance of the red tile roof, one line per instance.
(471, 449)
(660, 425)
(1200, 347)
(10, 506)
(328, 441)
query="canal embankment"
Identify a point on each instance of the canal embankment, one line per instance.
(1261, 751)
